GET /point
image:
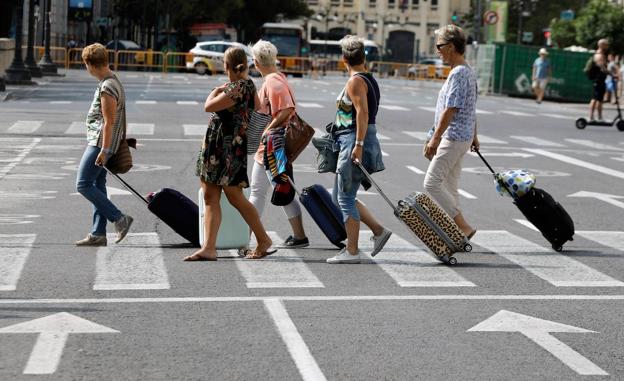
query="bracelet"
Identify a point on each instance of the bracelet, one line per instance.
(106, 151)
(359, 143)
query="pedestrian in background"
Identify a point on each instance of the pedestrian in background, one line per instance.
(222, 162)
(542, 72)
(106, 125)
(276, 98)
(613, 77)
(356, 135)
(454, 130)
(599, 86)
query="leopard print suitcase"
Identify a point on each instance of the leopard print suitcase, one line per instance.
(432, 226)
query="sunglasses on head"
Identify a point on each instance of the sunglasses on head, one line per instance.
(439, 46)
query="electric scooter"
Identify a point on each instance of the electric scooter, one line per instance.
(581, 123)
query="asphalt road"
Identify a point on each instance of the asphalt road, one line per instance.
(402, 316)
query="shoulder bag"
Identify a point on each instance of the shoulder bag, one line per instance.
(298, 134)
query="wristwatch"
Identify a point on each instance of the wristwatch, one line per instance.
(359, 143)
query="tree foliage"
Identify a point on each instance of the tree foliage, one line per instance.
(563, 32)
(600, 19)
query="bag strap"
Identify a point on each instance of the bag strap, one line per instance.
(126, 185)
(370, 84)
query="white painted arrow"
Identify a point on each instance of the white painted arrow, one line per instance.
(53, 331)
(538, 330)
(608, 198)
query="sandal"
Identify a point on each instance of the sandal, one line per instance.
(198, 258)
(244, 252)
(253, 254)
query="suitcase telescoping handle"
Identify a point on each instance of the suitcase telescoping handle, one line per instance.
(497, 178)
(485, 161)
(368, 176)
(126, 185)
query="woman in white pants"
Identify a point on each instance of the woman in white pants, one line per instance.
(275, 98)
(454, 131)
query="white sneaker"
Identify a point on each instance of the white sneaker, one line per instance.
(345, 257)
(122, 226)
(379, 241)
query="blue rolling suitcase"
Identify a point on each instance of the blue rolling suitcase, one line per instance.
(318, 202)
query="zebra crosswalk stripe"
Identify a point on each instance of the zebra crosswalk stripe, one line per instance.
(194, 129)
(140, 129)
(591, 144)
(25, 126)
(612, 239)
(489, 140)
(14, 250)
(559, 270)
(411, 266)
(284, 269)
(537, 141)
(76, 128)
(134, 264)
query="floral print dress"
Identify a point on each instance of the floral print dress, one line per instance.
(223, 156)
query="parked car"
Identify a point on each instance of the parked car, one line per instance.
(130, 59)
(207, 56)
(438, 72)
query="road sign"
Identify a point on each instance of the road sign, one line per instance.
(101, 21)
(567, 15)
(538, 330)
(490, 18)
(527, 37)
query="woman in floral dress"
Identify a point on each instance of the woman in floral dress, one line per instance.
(222, 162)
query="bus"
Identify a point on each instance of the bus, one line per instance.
(331, 49)
(288, 38)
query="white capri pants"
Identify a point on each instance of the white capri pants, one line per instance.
(260, 185)
(442, 177)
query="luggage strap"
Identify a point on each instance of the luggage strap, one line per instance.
(368, 176)
(127, 186)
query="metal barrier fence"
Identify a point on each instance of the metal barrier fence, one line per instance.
(148, 60)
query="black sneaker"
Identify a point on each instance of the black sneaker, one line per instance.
(292, 243)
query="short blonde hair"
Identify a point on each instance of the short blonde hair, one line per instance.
(353, 50)
(95, 55)
(264, 52)
(454, 35)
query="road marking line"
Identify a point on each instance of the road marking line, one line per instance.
(17, 219)
(309, 105)
(411, 266)
(187, 103)
(384, 154)
(484, 112)
(140, 128)
(76, 128)
(60, 102)
(299, 351)
(537, 141)
(382, 137)
(25, 127)
(135, 264)
(526, 224)
(591, 144)
(558, 116)
(145, 102)
(394, 108)
(612, 239)
(194, 129)
(559, 270)
(489, 140)
(415, 170)
(430, 109)
(14, 250)
(284, 269)
(577, 162)
(466, 194)
(33, 195)
(25, 150)
(416, 135)
(516, 113)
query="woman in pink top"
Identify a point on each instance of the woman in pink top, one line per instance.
(275, 98)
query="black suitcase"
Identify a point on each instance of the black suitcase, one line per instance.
(319, 204)
(173, 208)
(546, 214)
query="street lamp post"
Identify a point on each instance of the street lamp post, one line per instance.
(47, 66)
(17, 72)
(31, 65)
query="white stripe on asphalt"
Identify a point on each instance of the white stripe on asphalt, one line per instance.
(537, 141)
(415, 170)
(577, 162)
(612, 239)
(555, 268)
(187, 103)
(516, 113)
(309, 105)
(416, 135)
(60, 102)
(140, 128)
(145, 102)
(466, 194)
(25, 126)
(134, 264)
(194, 129)
(382, 137)
(299, 351)
(484, 112)
(489, 140)
(76, 128)
(430, 109)
(14, 250)
(394, 108)
(526, 224)
(411, 266)
(284, 269)
(591, 144)
(25, 150)
(558, 116)
(318, 132)
(384, 154)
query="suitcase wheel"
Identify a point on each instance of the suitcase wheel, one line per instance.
(467, 248)
(557, 247)
(449, 260)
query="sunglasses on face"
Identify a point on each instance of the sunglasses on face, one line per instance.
(439, 46)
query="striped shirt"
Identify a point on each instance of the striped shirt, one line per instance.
(95, 119)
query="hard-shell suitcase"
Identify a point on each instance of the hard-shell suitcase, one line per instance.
(430, 223)
(546, 214)
(173, 208)
(319, 204)
(233, 232)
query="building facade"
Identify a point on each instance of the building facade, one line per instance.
(403, 29)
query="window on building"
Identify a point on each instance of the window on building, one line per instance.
(415, 4)
(434, 4)
(312, 2)
(347, 3)
(335, 3)
(372, 3)
(391, 3)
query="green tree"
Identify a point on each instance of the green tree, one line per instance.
(563, 32)
(541, 14)
(600, 19)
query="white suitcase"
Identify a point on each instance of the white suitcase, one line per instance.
(233, 232)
